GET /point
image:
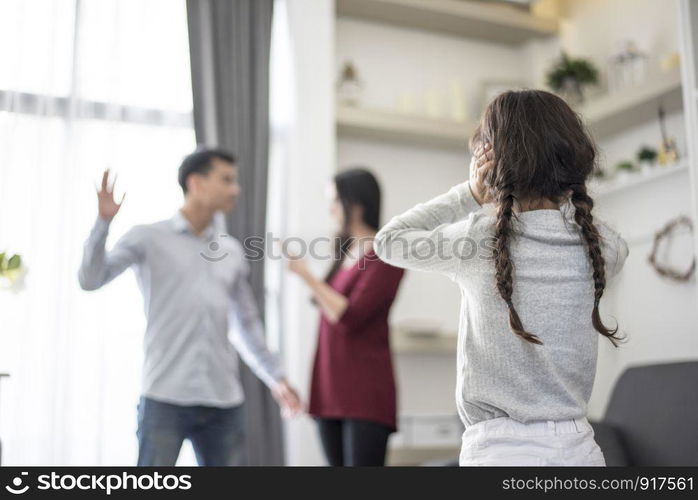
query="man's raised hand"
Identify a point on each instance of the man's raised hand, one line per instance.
(107, 207)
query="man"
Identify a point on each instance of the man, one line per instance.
(191, 283)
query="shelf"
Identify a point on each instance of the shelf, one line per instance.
(604, 189)
(605, 116)
(616, 112)
(385, 125)
(401, 456)
(439, 344)
(495, 23)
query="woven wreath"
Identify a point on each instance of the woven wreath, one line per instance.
(664, 233)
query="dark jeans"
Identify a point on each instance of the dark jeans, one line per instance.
(352, 442)
(217, 434)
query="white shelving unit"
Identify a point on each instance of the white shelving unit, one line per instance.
(612, 113)
(606, 188)
(688, 43)
(605, 115)
(438, 344)
(385, 125)
(495, 23)
(405, 456)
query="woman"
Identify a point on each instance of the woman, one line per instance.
(530, 320)
(352, 394)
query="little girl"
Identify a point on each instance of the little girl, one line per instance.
(532, 264)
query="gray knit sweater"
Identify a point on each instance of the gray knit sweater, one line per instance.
(500, 374)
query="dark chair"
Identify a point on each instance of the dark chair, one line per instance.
(652, 417)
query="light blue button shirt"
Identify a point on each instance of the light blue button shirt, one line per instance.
(194, 288)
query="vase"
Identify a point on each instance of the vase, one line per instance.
(571, 91)
(646, 167)
(623, 175)
(349, 87)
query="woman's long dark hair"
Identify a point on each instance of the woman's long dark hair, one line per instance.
(541, 151)
(356, 187)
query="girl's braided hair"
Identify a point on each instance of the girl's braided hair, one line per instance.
(541, 151)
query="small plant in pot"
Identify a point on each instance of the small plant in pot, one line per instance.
(647, 158)
(12, 272)
(624, 169)
(569, 76)
(599, 174)
(349, 86)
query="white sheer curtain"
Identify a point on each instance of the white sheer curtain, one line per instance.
(281, 113)
(84, 85)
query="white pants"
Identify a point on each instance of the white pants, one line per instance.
(506, 442)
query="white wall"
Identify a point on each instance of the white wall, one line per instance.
(594, 29)
(392, 61)
(426, 384)
(311, 167)
(658, 316)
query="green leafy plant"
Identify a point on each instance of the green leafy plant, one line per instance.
(579, 70)
(626, 166)
(14, 262)
(11, 271)
(646, 154)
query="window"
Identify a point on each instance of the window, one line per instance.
(84, 85)
(281, 123)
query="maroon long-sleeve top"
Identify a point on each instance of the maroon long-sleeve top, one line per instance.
(353, 370)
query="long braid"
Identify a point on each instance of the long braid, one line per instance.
(583, 205)
(503, 263)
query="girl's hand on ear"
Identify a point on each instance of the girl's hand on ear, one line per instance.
(481, 161)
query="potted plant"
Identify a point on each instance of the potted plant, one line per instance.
(598, 177)
(568, 76)
(12, 272)
(349, 86)
(647, 157)
(625, 169)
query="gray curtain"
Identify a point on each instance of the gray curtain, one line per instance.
(229, 43)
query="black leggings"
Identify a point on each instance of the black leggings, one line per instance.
(353, 442)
